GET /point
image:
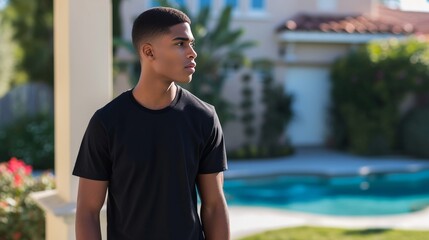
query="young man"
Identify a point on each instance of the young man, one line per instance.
(152, 146)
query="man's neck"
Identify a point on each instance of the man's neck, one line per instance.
(154, 95)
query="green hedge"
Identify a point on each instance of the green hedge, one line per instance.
(368, 86)
(30, 138)
(415, 133)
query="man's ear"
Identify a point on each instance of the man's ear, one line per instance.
(146, 51)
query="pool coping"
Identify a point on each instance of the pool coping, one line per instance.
(247, 220)
(322, 162)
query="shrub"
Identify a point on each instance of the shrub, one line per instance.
(20, 218)
(276, 117)
(272, 141)
(30, 138)
(247, 116)
(415, 132)
(368, 86)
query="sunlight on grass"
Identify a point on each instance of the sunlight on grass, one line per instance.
(317, 233)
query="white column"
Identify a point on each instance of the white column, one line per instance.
(83, 83)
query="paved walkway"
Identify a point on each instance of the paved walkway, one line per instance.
(248, 220)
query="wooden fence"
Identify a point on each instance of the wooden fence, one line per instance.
(26, 100)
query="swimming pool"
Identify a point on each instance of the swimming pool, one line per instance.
(372, 194)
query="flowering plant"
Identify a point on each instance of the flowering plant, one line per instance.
(20, 217)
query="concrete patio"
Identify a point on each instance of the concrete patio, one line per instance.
(249, 220)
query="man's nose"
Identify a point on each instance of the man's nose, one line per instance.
(192, 54)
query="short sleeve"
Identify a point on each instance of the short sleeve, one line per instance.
(93, 160)
(214, 158)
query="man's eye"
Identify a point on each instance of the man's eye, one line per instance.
(192, 44)
(179, 44)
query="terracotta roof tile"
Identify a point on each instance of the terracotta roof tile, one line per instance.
(419, 20)
(344, 24)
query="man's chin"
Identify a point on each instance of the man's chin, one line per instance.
(184, 81)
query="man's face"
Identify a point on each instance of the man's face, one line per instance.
(174, 55)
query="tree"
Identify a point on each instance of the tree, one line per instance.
(7, 58)
(32, 22)
(116, 20)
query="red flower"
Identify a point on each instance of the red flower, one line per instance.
(28, 169)
(19, 170)
(17, 180)
(12, 165)
(15, 165)
(17, 236)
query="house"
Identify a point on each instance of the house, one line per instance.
(302, 38)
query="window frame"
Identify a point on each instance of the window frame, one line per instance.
(257, 12)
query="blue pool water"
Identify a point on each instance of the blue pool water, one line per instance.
(376, 194)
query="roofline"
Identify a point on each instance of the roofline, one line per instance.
(331, 37)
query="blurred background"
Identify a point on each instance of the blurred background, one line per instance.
(349, 76)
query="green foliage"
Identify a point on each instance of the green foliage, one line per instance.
(20, 217)
(415, 133)
(318, 233)
(8, 55)
(116, 18)
(246, 105)
(368, 86)
(276, 117)
(32, 22)
(258, 152)
(116, 21)
(30, 138)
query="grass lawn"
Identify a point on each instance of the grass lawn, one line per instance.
(318, 233)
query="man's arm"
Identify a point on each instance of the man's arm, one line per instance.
(214, 212)
(90, 200)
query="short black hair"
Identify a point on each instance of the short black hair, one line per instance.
(156, 21)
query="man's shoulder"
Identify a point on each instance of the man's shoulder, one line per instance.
(116, 107)
(195, 104)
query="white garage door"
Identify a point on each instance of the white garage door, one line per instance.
(310, 87)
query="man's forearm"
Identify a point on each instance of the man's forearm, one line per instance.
(215, 222)
(88, 226)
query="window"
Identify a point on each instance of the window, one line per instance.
(257, 5)
(232, 3)
(205, 3)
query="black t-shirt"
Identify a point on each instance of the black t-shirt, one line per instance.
(151, 159)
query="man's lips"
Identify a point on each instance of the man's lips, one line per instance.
(191, 65)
